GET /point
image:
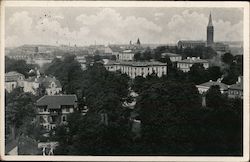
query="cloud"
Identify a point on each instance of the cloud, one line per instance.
(58, 17)
(109, 26)
(192, 26)
(159, 14)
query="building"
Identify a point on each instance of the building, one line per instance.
(190, 43)
(210, 32)
(127, 55)
(204, 87)
(13, 80)
(220, 47)
(172, 56)
(51, 85)
(186, 64)
(236, 90)
(53, 110)
(133, 69)
(31, 85)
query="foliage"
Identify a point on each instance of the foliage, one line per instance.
(18, 65)
(227, 58)
(19, 109)
(68, 72)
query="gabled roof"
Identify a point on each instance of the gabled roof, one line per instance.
(48, 80)
(56, 101)
(213, 83)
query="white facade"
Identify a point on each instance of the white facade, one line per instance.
(186, 64)
(30, 86)
(126, 55)
(52, 89)
(133, 69)
(13, 80)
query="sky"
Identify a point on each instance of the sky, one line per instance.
(92, 25)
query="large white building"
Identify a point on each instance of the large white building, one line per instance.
(133, 69)
(186, 64)
(127, 55)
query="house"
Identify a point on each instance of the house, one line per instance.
(53, 110)
(204, 87)
(186, 64)
(172, 56)
(236, 90)
(13, 80)
(133, 69)
(50, 84)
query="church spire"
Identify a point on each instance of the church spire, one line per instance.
(210, 23)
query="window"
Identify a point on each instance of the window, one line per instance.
(63, 118)
(67, 109)
(45, 109)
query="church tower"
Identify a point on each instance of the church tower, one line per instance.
(210, 32)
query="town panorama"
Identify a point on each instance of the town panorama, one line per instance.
(133, 98)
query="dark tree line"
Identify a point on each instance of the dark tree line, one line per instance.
(233, 69)
(18, 65)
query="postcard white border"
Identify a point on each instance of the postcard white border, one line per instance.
(184, 4)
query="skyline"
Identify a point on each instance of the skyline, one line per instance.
(85, 26)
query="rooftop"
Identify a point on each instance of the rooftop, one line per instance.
(171, 54)
(135, 63)
(191, 41)
(193, 60)
(213, 83)
(13, 73)
(55, 102)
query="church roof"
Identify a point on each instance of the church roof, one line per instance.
(210, 23)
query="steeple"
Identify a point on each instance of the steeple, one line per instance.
(210, 32)
(138, 42)
(210, 23)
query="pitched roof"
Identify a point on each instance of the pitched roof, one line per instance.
(48, 80)
(56, 101)
(12, 76)
(170, 54)
(237, 86)
(191, 41)
(213, 83)
(13, 73)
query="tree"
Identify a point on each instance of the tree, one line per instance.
(214, 98)
(227, 58)
(214, 73)
(19, 110)
(18, 65)
(68, 72)
(198, 74)
(163, 109)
